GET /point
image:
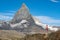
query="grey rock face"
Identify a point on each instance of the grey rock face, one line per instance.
(5, 26)
(26, 27)
(23, 14)
(1, 21)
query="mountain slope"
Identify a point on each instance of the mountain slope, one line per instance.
(10, 35)
(23, 21)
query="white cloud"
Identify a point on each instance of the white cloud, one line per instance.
(7, 15)
(55, 1)
(3, 17)
(48, 20)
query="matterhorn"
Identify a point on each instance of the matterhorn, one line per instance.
(24, 22)
(22, 14)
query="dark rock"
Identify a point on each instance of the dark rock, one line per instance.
(5, 26)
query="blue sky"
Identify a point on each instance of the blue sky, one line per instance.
(48, 11)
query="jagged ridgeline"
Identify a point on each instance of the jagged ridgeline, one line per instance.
(22, 14)
(23, 21)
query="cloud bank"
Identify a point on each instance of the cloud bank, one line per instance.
(7, 15)
(48, 20)
(6, 18)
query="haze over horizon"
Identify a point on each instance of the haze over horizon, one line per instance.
(48, 11)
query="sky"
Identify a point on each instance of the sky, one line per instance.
(47, 11)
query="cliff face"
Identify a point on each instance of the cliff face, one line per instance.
(24, 21)
(23, 14)
(5, 26)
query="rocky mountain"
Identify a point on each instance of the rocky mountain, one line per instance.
(23, 21)
(1, 21)
(56, 27)
(23, 14)
(5, 26)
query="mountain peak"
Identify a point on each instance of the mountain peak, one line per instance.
(22, 14)
(23, 5)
